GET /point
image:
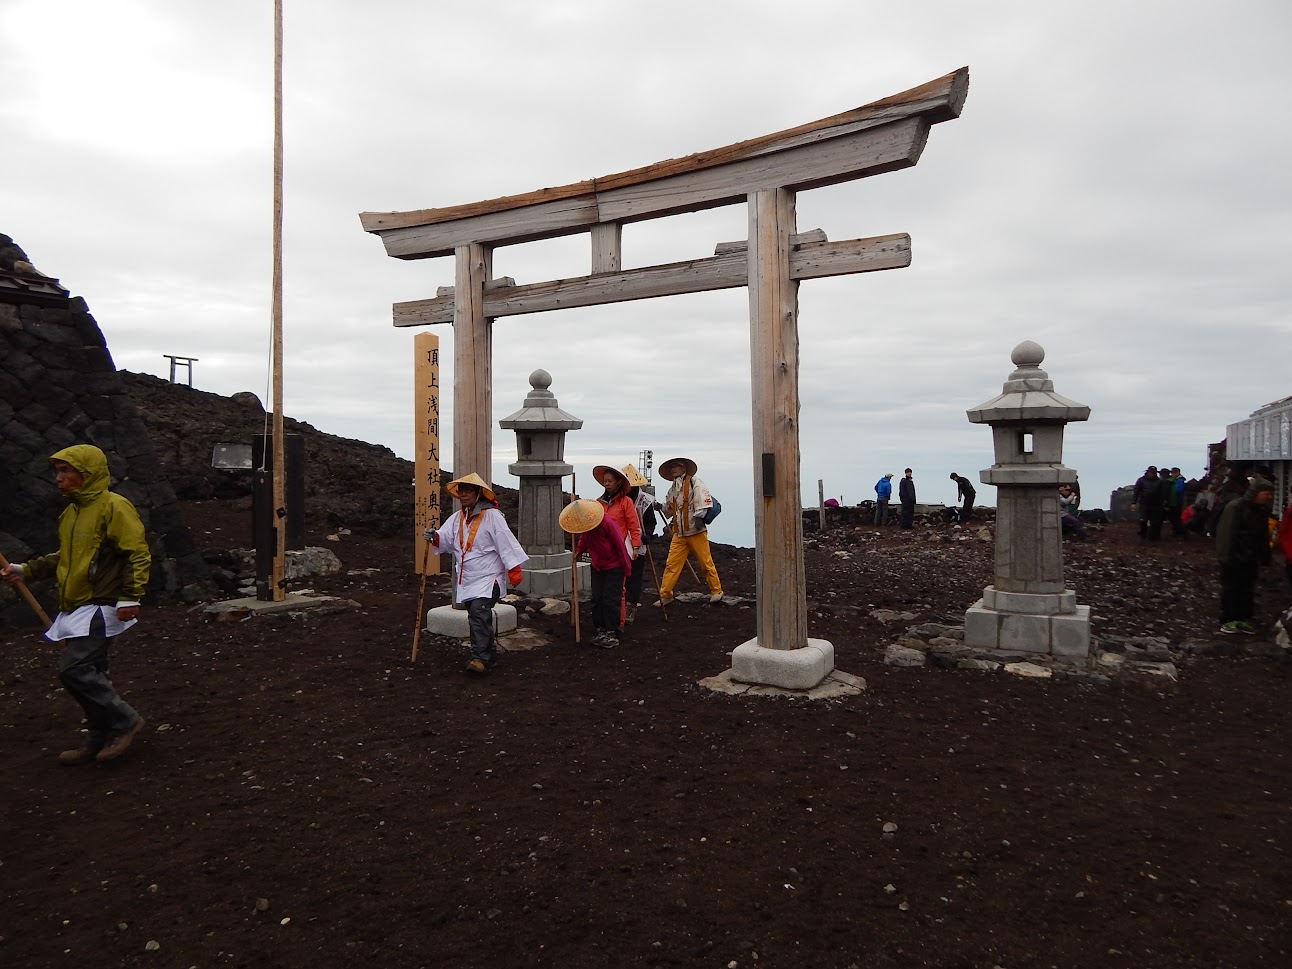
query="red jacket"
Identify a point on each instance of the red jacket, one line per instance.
(605, 547)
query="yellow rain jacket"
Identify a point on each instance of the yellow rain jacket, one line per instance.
(102, 552)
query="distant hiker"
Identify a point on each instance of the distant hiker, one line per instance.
(486, 556)
(1242, 547)
(906, 495)
(603, 542)
(1173, 501)
(964, 493)
(623, 512)
(688, 502)
(1149, 499)
(1232, 487)
(101, 570)
(645, 504)
(883, 491)
(1068, 520)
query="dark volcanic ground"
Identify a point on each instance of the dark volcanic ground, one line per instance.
(304, 795)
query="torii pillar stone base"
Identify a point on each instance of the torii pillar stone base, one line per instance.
(790, 669)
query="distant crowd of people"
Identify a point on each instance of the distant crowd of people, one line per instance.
(1236, 510)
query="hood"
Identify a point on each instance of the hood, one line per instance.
(1258, 485)
(93, 465)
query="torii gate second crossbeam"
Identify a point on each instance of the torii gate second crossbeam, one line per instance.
(766, 173)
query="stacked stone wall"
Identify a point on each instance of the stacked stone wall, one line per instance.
(58, 387)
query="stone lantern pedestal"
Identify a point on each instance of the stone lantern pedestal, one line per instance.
(1026, 608)
(540, 427)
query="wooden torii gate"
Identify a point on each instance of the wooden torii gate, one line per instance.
(765, 172)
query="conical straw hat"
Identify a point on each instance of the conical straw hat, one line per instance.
(581, 515)
(674, 468)
(600, 470)
(635, 477)
(471, 479)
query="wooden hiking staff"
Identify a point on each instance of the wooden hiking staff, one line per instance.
(26, 594)
(421, 600)
(574, 564)
(663, 606)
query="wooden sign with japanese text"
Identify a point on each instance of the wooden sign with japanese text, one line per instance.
(426, 444)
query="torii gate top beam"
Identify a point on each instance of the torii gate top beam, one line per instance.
(840, 148)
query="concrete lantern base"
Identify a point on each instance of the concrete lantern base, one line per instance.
(549, 575)
(790, 669)
(448, 621)
(1064, 635)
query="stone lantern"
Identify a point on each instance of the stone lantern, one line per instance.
(540, 427)
(1026, 608)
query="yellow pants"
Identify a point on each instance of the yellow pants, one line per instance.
(678, 550)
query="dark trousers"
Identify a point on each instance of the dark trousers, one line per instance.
(1150, 523)
(83, 670)
(607, 593)
(633, 587)
(908, 514)
(484, 645)
(881, 511)
(1173, 516)
(1238, 592)
(966, 510)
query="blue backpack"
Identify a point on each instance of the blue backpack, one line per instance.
(712, 513)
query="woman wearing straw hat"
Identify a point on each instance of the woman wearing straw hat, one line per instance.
(645, 505)
(486, 556)
(621, 510)
(688, 502)
(601, 539)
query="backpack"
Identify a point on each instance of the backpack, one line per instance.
(712, 513)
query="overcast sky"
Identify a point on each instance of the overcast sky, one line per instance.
(1117, 189)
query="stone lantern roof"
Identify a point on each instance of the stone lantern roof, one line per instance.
(541, 411)
(1028, 395)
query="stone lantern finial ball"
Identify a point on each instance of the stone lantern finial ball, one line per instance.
(540, 380)
(1028, 354)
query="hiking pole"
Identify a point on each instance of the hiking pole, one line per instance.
(421, 600)
(663, 607)
(574, 592)
(26, 594)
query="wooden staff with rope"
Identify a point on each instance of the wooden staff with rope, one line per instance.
(421, 600)
(25, 592)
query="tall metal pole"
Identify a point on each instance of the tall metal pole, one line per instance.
(280, 460)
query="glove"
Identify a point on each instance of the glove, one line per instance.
(641, 550)
(432, 536)
(514, 575)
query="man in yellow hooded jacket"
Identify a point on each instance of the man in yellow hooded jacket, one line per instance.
(101, 573)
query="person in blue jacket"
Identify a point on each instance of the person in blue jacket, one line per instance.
(883, 491)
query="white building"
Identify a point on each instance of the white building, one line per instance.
(1265, 438)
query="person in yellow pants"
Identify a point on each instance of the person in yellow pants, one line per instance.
(688, 503)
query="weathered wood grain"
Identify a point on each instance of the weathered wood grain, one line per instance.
(731, 269)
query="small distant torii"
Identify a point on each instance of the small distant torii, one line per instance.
(766, 173)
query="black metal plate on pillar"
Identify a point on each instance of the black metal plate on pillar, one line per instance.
(769, 474)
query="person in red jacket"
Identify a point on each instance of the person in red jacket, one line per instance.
(1285, 540)
(601, 539)
(622, 510)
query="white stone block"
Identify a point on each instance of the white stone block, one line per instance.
(447, 621)
(790, 669)
(1031, 603)
(982, 626)
(1030, 634)
(1070, 635)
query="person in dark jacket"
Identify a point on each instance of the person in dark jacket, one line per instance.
(1149, 500)
(1242, 547)
(965, 493)
(906, 495)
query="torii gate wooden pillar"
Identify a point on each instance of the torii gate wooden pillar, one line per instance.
(766, 173)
